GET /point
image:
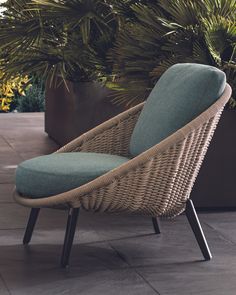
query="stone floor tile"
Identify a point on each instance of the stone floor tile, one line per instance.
(112, 254)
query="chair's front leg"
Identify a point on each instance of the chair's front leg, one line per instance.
(197, 229)
(30, 225)
(69, 235)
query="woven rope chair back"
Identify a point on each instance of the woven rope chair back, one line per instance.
(161, 185)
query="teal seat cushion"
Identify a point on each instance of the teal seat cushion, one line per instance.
(182, 93)
(56, 173)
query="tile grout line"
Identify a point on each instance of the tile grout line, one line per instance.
(12, 147)
(7, 142)
(2, 202)
(5, 284)
(223, 237)
(15, 228)
(133, 268)
(114, 240)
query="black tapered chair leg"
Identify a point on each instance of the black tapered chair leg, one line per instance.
(156, 225)
(30, 225)
(197, 229)
(69, 236)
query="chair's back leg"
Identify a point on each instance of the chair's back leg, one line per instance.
(156, 225)
(30, 225)
(69, 235)
(197, 229)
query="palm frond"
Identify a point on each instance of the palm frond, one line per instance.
(66, 38)
(179, 31)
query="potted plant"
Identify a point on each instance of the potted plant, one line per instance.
(66, 44)
(170, 32)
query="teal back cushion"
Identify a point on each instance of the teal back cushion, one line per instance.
(182, 93)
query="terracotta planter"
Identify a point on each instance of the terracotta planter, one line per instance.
(71, 113)
(216, 184)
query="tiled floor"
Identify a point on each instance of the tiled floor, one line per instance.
(112, 255)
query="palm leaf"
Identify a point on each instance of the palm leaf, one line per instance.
(179, 31)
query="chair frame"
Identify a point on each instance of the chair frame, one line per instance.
(156, 183)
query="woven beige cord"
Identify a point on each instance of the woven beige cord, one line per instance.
(157, 182)
(111, 137)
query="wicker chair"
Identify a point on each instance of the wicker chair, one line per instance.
(156, 183)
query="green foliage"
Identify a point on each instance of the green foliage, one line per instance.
(33, 101)
(126, 43)
(169, 32)
(10, 88)
(66, 39)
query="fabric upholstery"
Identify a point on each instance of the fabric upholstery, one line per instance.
(56, 173)
(182, 93)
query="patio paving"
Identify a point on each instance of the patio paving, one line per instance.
(113, 255)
